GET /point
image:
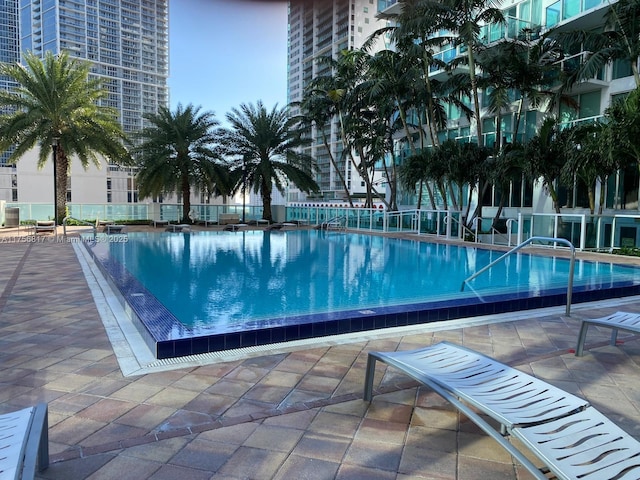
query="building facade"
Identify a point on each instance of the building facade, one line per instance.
(127, 44)
(309, 36)
(321, 28)
(526, 21)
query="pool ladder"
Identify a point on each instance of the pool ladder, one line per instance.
(93, 227)
(335, 223)
(564, 241)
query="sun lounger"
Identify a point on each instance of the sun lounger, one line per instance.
(45, 226)
(629, 322)
(235, 227)
(24, 442)
(524, 406)
(281, 226)
(228, 218)
(182, 227)
(111, 229)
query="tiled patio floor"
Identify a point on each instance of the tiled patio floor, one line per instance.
(285, 416)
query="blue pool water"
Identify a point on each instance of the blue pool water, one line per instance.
(209, 291)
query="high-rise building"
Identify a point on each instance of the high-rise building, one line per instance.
(321, 28)
(127, 44)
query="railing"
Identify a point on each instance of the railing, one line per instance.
(524, 244)
(510, 222)
(395, 221)
(92, 226)
(604, 232)
(335, 223)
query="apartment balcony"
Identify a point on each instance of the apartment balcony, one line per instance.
(575, 14)
(389, 7)
(582, 121)
(513, 29)
(573, 63)
(446, 56)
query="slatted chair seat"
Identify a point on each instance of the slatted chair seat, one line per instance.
(506, 394)
(585, 445)
(24, 442)
(570, 438)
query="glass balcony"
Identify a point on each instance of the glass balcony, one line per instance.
(384, 4)
(566, 9)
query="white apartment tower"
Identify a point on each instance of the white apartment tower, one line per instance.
(320, 28)
(127, 43)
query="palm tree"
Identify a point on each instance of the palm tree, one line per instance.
(466, 18)
(414, 173)
(56, 103)
(348, 100)
(587, 161)
(178, 152)
(267, 146)
(318, 107)
(622, 130)
(544, 157)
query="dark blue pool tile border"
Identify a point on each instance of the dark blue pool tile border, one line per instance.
(167, 337)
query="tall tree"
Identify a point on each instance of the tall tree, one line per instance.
(266, 144)
(544, 157)
(465, 19)
(57, 103)
(178, 153)
(414, 173)
(350, 104)
(318, 108)
(622, 130)
(585, 161)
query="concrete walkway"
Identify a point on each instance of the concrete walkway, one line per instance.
(283, 416)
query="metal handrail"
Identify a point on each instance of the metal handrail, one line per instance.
(524, 244)
(339, 219)
(83, 222)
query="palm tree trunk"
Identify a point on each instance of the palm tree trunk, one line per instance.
(62, 169)
(554, 196)
(335, 167)
(602, 197)
(476, 100)
(420, 186)
(186, 199)
(266, 202)
(592, 199)
(517, 119)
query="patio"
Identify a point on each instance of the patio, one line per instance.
(295, 414)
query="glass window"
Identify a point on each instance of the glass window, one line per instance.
(567, 114)
(531, 124)
(589, 104)
(553, 15)
(628, 181)
(536, 12)
(621, 69)
(570, 8)
(588, 4)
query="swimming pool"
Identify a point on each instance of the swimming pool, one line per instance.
(192, 293)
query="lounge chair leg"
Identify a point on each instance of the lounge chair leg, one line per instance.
(581, 338)
(614, 336)
(368, 379)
